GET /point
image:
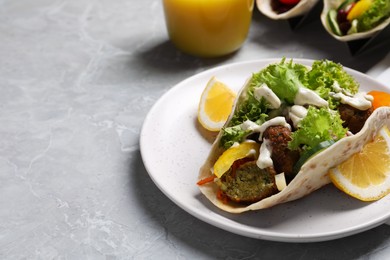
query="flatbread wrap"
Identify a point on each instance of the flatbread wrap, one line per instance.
(290, 123)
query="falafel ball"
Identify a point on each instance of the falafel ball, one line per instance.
(353, 118)
(283, 158)
(247, 183)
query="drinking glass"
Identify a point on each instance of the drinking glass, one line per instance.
(208, 28)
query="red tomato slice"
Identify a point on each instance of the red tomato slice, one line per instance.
(289, 2)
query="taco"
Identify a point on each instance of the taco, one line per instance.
(348, 20)
(289, 125)
(285, 9)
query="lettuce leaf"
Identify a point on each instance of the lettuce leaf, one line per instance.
(320, 124)
(378, 12)
(250, 109)
(231, 135)
(324, 74)
(284, 79)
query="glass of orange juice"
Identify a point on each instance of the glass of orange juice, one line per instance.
(208, 28)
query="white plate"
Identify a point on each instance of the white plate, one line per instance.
(173, 150)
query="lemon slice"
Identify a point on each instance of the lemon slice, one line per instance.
(215, 105)
(234, 153)
(366, 175)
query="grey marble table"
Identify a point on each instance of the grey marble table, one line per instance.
(77, 79)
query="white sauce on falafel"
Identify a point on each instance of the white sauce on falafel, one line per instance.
(265, 160)
(253, 127)
(361, 100)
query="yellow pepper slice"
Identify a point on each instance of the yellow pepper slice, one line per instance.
(234, 153)
(358, 9)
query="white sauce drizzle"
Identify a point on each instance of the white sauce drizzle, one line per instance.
(336, 87)
(252, 152)
(307, 96)
(252, 126)
(297, 113)
(249, 125)
(235, 144)
(360, 101)
(264, 160)
(265, 92)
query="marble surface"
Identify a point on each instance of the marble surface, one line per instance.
(77, 79)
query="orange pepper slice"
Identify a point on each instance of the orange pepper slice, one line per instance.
(381, 98)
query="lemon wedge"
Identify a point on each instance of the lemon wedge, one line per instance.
(215, 105)
(366, 175)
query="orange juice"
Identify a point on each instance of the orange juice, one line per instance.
(208, 28)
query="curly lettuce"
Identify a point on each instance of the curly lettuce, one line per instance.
(284, 79)
(251, 109)
(319, 125)
(324, 74)
(231, 135)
